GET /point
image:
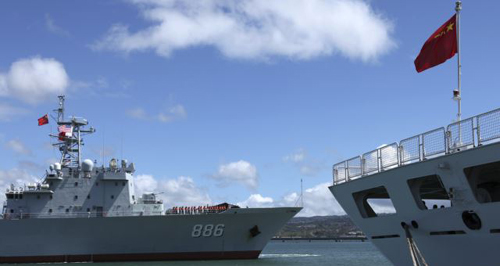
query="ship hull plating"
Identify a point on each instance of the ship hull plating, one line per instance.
(442, 236)
(142, 238)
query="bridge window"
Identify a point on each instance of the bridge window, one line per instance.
(429, 192)
(484, 181)
(374, 202)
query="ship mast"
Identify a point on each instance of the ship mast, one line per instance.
(69, 137)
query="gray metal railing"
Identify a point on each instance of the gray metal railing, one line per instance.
(47, 215)
(465, 134)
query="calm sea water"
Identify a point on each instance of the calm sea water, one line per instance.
(277, 253)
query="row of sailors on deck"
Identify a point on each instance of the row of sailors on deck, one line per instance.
(198, 209)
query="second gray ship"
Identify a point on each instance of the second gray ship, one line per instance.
(84, 213)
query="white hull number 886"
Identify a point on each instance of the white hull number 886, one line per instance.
(208, 230)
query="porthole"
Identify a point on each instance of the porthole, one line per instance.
(88, 196)
(50, 210)
(76, 184)
(112, 196)
(76, 197)
(11, 210)
(38, 196)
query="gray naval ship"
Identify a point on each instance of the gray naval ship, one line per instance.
(84, 213)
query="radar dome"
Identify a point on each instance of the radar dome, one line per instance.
(87, 165)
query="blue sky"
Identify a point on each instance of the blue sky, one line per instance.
(219, 101)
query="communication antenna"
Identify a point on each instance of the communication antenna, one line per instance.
(102, 150)
(301, 197)
(69, 138)
(121, 145)
(301, 194)
(60, 110)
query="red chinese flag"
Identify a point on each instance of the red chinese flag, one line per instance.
(441, 46)
(43, 120)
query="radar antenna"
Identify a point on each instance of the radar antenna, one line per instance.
(69, 137)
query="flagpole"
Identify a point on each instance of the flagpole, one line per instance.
(458, 8)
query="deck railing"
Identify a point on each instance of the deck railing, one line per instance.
(94, 214)
(465, 134)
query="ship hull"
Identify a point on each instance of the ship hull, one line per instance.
(234, 234)
(442, 236)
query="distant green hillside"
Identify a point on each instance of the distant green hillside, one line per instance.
(320, 226)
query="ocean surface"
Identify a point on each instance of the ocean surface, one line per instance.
(277, 253)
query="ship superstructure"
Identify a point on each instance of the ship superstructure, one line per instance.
(432, 199)
(76, 188)
(82, 212)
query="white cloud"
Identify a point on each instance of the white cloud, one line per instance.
(296, 157)
(18, 147)
(181, 191)
(257, 200)
(258, 29)
(145, 183)
(241, 172)
(34, 79)
(306, 166)
(8, 112)
(101, 87)
(137, 113)
(51, 26)
(31, 166)
(318, 201)
(16, 177)
(171, 114)
(311, 168)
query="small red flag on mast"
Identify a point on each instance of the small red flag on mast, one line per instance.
(441, 46)
(43, 120)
